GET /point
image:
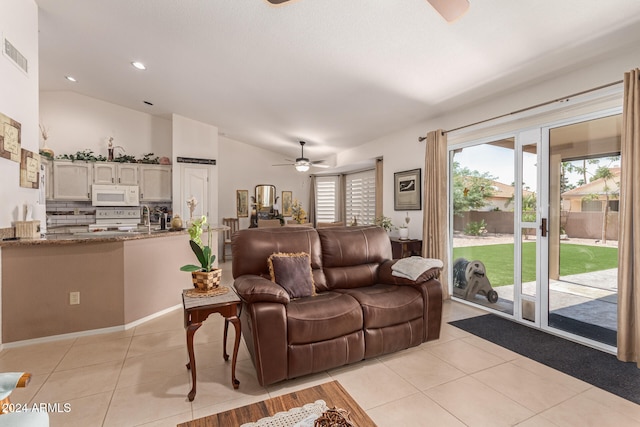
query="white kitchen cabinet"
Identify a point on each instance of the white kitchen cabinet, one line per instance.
(72, 180)
(115, 173)
(127, 174)
(104, 173)
(155, 183)
(48, 170)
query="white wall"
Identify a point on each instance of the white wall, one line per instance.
(76, 122)
(19, 101)
(402, 151)
(243, 166)
(199, 140)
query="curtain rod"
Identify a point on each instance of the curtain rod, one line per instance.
(564, 98)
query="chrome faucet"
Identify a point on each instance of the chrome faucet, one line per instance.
(146, 219)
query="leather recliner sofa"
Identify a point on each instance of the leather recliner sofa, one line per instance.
(360, 309)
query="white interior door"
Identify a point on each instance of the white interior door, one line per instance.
(195, 183)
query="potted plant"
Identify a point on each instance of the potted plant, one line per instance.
(297, 213)
(204, 276)
(385, 222)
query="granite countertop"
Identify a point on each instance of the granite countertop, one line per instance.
(97, 237)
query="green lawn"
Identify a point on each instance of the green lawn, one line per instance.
(574, 259)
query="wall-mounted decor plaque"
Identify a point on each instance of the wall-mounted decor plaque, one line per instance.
(10, 135)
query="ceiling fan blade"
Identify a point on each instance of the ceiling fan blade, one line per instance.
(319, 165)
(449, 9)
(284, 164)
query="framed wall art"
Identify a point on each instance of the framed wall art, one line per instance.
(407, 194)
(10, 137)
(287, 200)
(29, 169)
(242, 203)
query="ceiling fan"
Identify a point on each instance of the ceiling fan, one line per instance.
(302, 164)
(449, 9)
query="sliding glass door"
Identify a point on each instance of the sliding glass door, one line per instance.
(483, 200)
(583, 182)
(534, 219)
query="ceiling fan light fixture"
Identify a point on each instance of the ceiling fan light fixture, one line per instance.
(302, 167)
(450, 9)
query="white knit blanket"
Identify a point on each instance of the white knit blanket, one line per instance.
(412, 267)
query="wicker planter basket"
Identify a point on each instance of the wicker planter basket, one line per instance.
(206, 280)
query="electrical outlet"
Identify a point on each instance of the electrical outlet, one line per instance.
(76, 211)
(74, 298)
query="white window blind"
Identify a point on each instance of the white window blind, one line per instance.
(326, 203)
(361, 197)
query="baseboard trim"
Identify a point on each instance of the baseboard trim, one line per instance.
(91, 332)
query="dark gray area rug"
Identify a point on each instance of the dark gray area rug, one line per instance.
(593, 366)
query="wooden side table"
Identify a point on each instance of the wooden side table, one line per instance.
(196, 311)
(405, 248)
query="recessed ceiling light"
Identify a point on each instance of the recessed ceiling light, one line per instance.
(139, 65)
(70, 78)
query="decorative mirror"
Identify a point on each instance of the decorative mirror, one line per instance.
(265, 198)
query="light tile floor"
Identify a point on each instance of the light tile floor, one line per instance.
(138, 378)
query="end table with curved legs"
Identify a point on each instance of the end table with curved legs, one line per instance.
(196, 311)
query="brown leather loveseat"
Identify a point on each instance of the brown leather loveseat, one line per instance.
(360, 310)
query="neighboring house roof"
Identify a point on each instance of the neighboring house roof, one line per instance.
(596, 187)
(504, 191)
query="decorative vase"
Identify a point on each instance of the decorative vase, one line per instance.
(176, 222)
(206, 280)
(404, 233)
(46, 151)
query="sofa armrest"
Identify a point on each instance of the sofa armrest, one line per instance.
(385, 275)
(253, 288)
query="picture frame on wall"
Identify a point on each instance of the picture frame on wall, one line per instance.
(287, 201)
(407, 194)
(10, 139)
(242, 203)
(29, 169)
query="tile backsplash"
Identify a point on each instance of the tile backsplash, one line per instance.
(61, 215)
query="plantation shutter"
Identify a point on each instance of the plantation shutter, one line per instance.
(326, 203)
(361, 197)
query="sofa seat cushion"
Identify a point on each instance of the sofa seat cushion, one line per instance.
(386, 305)
(322, 317)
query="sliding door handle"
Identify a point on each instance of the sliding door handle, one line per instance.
(543, 227)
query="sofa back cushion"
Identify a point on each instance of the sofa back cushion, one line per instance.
(351, 255)
(252, 247)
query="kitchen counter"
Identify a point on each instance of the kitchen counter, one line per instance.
(91, 237)
(123, 279)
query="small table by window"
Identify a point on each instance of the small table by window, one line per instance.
(196, 311)
(405, 248)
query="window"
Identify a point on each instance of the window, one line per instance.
(591, 206)
(326, 194)
(360, 195)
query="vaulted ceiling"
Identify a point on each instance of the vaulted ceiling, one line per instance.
(335, 73)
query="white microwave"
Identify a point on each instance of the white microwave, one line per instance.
(115, 195)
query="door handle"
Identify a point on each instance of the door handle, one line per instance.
(543, 227)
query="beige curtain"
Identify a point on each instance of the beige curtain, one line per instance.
(628, 257)
(311, 212)
(341, 199)
(379, 185)
(435, 233)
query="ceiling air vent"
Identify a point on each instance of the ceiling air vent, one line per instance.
(14, 54)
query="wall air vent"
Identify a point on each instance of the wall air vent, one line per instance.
(14, 54)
